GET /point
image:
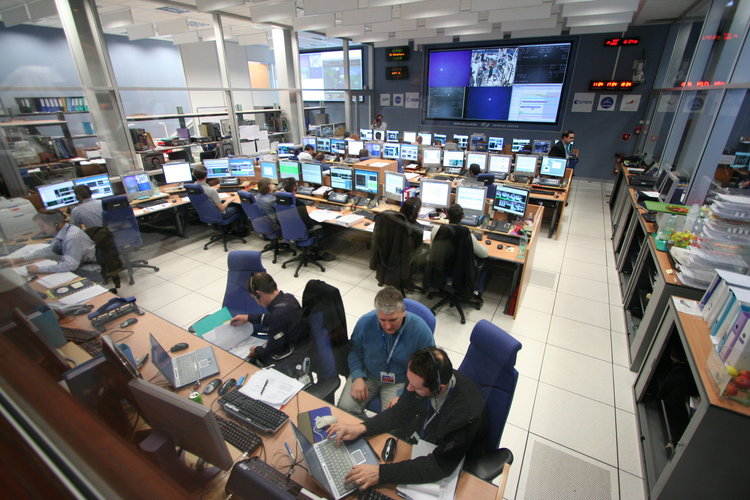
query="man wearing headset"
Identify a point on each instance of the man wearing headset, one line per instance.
(282, 323)
(441, 406)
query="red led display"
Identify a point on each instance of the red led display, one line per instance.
(720, 36)
(702, 83)
(622, 42)
(611, 85)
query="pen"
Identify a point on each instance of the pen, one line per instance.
(242, 381)
(264, 386)
(289, 450)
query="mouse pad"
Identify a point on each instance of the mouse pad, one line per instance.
(306, 424)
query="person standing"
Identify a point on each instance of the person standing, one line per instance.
(378, 123)
(562, 148)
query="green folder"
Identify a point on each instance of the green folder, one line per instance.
(208, 323)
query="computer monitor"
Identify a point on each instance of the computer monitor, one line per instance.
(394, 185)
(99, 184)
(391, 151)
(374, 148)
(325, 130)
(554, 167)
(177, 172)
(463, 140)
(478, 158)
(499, 164)
(341, 178)
(667, 189)
(323, 144)
(453, 160)
(410, 152)
(511, 200)
(431, 156)
(242, 167)
(495, 143)
(57, 195)
(426, 138)
(434, 193)
(288, 168)
(366, 180)
(410, 137)
(308, 141)
(338, 146)
(541, 146)
(354, 147)
(518, 144)
(441, 138)
(525, 165)
(661, 177)
(137, 185)
(741, 160)
(286, 149)
(378, 135)
(268, 170)
(312, 173)
(471, 199)
(365, 134)
(476, 139)
(217, 167)
(391, 135)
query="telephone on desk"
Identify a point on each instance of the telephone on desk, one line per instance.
(338, 197)
(306, 190)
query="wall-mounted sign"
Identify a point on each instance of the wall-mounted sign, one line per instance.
(397, 73)
(611, 85)
(397, 53)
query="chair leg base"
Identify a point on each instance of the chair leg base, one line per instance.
(303, 259)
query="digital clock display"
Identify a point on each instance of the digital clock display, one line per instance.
(611, 85)
(397, 73)
(397, 54)
(622, 41)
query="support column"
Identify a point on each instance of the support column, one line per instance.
(347, 86)
(221, 51)
(286, 57)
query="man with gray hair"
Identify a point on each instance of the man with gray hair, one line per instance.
(381, 344)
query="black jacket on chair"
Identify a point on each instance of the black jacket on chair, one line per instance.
(392, 248)
(452, 256)
(106, 253)
(320, 296)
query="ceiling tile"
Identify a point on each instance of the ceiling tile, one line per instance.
(346, 31)
(273, 12)
(313, 23)
(530, 24)
(398, 25)
(461, 19)
(141, 31)
(42, 9)
(372, 15)
(520, 14)
(15, 15)
(172, 26)
(382, 3)
(556, 31)
(604, 28)
(624, 17)
(479, 5)
(325, 6)
(188, 37)
(211, 5)
(598, 8)
(254, 39)
(469, 30)
(370, 37)
(429, 8)
(391, 43)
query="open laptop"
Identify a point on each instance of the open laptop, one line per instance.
(329, 463)
(185, 369)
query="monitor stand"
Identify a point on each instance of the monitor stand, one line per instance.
(161, 450)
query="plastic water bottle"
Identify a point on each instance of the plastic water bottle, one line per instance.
(522, 245)
(665, 232)
(691, 218)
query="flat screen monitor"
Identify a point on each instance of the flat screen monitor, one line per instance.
(666, 191)
(366, 180)
(391, 135)
(365, 134)
(192, 426)
(57, 195)
(242, 167)
(661, 177)
(431, 156)
(499, 164)
(518, 144)
(463, 140)
(354, 147)
(374, 148)
(541, 146)
(177, 172)
(471, 199)
(288, 169)
(338, 146)
(435, 194)
(286, 149)
(341, 178)
(410, 152)
(478, 158)
(100, 185)
(137, 185)
(410, 137)
(454, 159)
(511, 200)
(312, 173)
(394, 185)
(525, 164)
(217, 167)
(323, 144)
(308, 141)
(268, 170)
(426, 138)
(476, 139)
(379, 135)
(554, 167)
(495, 143)
(325, 130)
(391, 151)
(440, 138)
(741, 160)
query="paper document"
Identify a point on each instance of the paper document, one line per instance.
(26, 250)
(235, 339)
(223, 196)
(687, 306)
(650, 194)
(46, 262)
(277, 392)
(323, 215)
(427, 235)
(83, 296)
(411, 175)
(443, 489)
(248, 148)
(379, 164)
(205, 325)
(56, 279)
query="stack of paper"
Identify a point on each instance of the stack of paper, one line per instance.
(443, 489)
(349, 220)
(235, 339)
(83, 296)
(46, 262)
(26, 250)
(56, 279)
(272, 387)
(323, 215)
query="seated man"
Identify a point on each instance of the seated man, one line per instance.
(289, 185)
(441, 406)
(307, 153)
(71, 248)
(473, 170)
(381, 344)
(225, 207)
(266, 199)
(283, 323)
(88, 213)
(455, 214)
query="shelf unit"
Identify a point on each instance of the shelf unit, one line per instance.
(689, 450)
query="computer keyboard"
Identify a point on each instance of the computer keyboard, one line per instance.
(549, 182)
(229, 189)
(267, 479)
(78, 335)
(241, 438)
(470, 220)
(305, 201)
(373, 495)
(366, 214)
(443, 178)
(541, 191)
(338, 461)
(254, 413)
(505, 238)
(92, 347)
(329, 206)
(150, 203)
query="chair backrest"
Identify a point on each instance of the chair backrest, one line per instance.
(118, 217)
(489, 181)
(241, 265)
(292, 227)
(106, 251)
(320, 297)
(207, 210)
(324, 364)
(392, 248)
(452, 257)
(262, 223)
(490, 363)
(422, 311)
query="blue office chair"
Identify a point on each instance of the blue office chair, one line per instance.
(490, 363)
(211, 215)
(118, 217)
(489, 181)
(262, 223)
(324, 364)
(295, 231)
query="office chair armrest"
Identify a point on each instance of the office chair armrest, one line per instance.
(325, 389)
(315, 229)
(489, 465)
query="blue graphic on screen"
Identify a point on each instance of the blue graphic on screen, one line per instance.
(488, 103)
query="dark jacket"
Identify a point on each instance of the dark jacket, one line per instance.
(392, 249)
(320, 296)
(284, 325)
(452, 256)
(106, 253)
(557, 150)
(458, 430)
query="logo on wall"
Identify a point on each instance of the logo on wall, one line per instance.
(398, 100)
(583, 102)
(606, 102)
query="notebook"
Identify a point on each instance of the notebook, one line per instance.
(185, 369)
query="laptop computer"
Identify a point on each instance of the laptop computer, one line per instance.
(186, 369)
(329, 463)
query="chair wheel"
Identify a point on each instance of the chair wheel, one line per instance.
(323, 269)
(274, 261)
(283, 266)
(478, 306)
(156, 270)
(463, 321)
(296, 274)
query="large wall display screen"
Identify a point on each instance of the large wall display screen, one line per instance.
(512, 83)
(325, 70)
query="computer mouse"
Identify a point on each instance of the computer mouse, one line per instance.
(19, 240)
(488, 242)
(500, 246)
(180, 346)
(174, 201)
(212, 386)
(227, 386)
(389, 450)
(128, 322)
(367, 224)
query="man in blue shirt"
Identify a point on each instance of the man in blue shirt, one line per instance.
(88, 213)
(381, 344)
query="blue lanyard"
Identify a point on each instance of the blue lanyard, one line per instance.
(389, 355)
(432, 417)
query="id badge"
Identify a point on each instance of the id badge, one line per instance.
(387, 378)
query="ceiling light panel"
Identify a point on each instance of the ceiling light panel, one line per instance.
(172, 26)
(370, 37)
(530, 24)
(254, 39)
(391, 43)
(15, 15)
(372, 15)
(116, 19)
(313, 23)
(423, 33)
(383, 3)
(462, 19)
(599, 8)
(211, 5)
(325, 6)
(398, 25)
(604, 28)
(346, 31)
(273, 12)
(44, 8)
(430, 8)
(189, 37)
(141, 31)
(494, 35)
(520, 14)
(556, 31)
(478, 5)
(469, 30)
(625, 17)
(560, 2)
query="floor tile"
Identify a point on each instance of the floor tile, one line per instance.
(578, 373)
(528, 322)
(358, 301)
(513, 438)
(186, 310)
(539, 299)
(623, 385)
(628, 448)
(583, 269)
(580, 337)
(543, 278)
(550, 259)
(580, 309)
(529, 360)
(582, 287)
(214, 290)
(154, 298)
(450, 333)
(632, 487)
(201, 277)
(523, 402)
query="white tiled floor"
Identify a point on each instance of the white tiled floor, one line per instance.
(574, 390)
